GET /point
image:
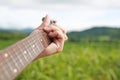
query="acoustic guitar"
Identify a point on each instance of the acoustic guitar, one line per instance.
(16, 57)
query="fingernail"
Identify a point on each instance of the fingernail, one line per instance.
(45, 28)
(50, 33)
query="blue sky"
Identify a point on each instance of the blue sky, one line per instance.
(71, 14)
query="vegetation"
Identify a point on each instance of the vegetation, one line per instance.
(96, 34)
(82, 60)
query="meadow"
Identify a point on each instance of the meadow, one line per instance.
(78, 61)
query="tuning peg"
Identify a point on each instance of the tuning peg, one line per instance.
(51, 21)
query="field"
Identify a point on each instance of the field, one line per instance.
(78, 61)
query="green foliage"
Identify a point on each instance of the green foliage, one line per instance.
(83, 60)
(8, 38)
(78, 61)
(10, 35)
(95, 34)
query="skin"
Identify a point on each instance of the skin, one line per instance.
(57, 33)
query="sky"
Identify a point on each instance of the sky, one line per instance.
(70, 14)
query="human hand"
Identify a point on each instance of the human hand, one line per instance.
(57, 34)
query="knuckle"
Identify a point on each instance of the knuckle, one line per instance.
(59, 50)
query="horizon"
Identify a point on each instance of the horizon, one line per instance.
(27, 28)
(73, 15)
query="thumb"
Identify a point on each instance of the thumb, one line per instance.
(45, 22)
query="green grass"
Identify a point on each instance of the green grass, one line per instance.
(78, 61)
(6, 43)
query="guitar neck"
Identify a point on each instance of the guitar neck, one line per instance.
(16, 57)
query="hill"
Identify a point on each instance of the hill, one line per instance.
(10, 34)
(26, 30)
(95, 34)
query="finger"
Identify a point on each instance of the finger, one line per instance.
(56, 34)
(51, 28)
(52, 48)
(65, 38)
(63, 30)
(52, 31)
(45, 23)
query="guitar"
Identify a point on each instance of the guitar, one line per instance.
(16, 57)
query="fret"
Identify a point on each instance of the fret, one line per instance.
(4, 73)
(12, 63)
(13, 60)
(19, 60)
(26, 52)
(4, 70)
(23, 55)
(35, 49)
(3, 57)
(20, 57)
(11, 68)
(31, 49)
(39, 42)
(8, 70)
(39, 48)
(40, 39)
(16, 57)
(22, 60)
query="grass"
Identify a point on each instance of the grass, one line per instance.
(78, 61)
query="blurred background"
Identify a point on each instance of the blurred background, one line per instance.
(93, 49)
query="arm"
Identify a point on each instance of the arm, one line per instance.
(16, 57)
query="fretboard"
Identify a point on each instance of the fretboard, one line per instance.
(16, 57)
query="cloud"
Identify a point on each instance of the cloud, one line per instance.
(72, 14)
(99, 4)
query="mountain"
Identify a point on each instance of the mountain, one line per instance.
(27, 30)
(7, 34)
(95, 34)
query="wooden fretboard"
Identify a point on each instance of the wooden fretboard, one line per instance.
(16, 57)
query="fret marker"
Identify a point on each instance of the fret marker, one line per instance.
(33, 45)
(40, 39)
(15, 70)
(6, 55)
(24, 52)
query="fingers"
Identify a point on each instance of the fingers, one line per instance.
(45, 23)
(56, 34)
(64, 31)
(52, 48)
(52, 30)
(61, 28)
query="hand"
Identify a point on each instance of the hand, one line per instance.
(55, 32)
